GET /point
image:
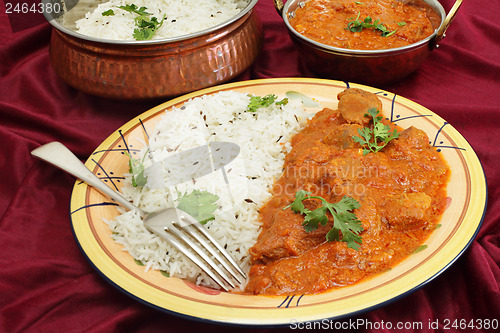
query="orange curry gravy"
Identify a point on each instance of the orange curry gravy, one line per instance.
(326, 21)
(401, 189)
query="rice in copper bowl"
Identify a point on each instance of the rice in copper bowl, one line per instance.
(117, 19)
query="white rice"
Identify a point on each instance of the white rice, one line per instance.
(182, 17)
(263, 138)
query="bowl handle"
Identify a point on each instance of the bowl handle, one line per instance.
(447, 21)
(278, 4)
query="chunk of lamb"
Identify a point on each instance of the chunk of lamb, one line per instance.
(341, 137)
(413, 137)
(355, 103)
(406, 211)
(284, 238)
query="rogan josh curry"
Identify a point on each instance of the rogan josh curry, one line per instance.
(366, 24)
(391, 196)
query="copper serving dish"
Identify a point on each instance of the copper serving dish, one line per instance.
(133, 70)
(373, 67)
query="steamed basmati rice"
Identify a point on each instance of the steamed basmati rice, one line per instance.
(263, 138)
(181, 17)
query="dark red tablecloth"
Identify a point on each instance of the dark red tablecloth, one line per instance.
(46, 284)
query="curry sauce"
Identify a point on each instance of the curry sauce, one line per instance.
(366, 24)
(401, 190)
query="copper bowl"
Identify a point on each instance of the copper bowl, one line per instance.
(373, 67)
(135, 70)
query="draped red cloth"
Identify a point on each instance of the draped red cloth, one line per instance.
(47, 285)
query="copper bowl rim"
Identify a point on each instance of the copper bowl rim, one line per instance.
(49, 17)
(338, 50)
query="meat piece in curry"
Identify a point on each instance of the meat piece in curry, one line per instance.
(401, 190)
(353, 105)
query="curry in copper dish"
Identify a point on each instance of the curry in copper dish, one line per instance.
(365, 24)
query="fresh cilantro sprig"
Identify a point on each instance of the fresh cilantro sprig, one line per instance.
(257, 102)
(358, 25)
(134, 9)
(108, 12)
(146, 25)
(346, 225)
(199, 204)
(375, 138)
(136, 168)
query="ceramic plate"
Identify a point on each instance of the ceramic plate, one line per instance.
(459, 225)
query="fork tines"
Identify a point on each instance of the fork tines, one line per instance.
(194, 241)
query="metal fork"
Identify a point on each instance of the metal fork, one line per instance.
(174, 225)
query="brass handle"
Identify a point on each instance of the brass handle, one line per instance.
(278, 4)
(447, 21)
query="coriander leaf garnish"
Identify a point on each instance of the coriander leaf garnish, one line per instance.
(257, 102)
(346, 225)
(134, 9)
(199, 204)
(420, 249)
(284, 101)
(146, 25)
(375, 138)
(108, 12)
(136, 168)
(143, 34)
(358, 25)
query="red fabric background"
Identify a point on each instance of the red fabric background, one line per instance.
(46, 284)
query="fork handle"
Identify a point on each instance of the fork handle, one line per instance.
(60, 156)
